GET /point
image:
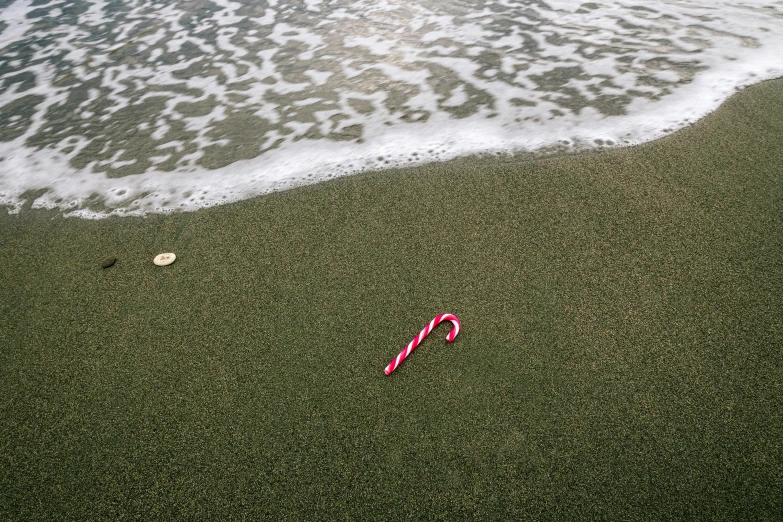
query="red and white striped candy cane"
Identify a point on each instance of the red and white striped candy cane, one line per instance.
(419, 338)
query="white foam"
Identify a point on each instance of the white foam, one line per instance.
(421, 84)
(15, 16)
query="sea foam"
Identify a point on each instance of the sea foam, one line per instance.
(143, 107)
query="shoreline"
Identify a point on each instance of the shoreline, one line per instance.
(224, 181)
(619, 356)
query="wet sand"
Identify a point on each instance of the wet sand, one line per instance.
(620, 355)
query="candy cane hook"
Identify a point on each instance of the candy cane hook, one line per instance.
(419, 338)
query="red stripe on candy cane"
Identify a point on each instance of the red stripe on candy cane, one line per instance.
(419, 338)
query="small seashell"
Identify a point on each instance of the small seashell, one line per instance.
(164, 259)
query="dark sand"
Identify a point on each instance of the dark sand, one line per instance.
(620, 356)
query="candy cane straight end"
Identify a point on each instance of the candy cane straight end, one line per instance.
(419, 338)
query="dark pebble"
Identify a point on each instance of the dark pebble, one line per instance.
(109, 261)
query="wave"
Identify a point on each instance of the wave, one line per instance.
(120, 108)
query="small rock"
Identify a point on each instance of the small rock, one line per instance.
(109, 261)
(164, 259)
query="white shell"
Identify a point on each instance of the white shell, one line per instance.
(164, 259)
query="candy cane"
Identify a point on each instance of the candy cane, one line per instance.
(419, 338)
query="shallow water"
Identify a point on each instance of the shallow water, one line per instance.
(130, 107)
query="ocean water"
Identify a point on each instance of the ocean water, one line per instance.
(135, 106)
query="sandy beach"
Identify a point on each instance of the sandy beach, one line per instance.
(620, 352)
